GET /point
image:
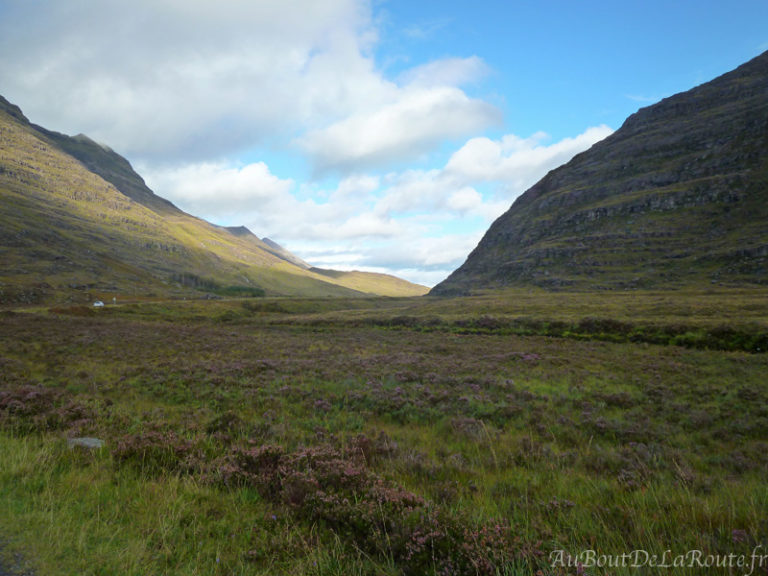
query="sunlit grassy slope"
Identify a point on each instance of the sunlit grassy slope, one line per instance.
(371, 282)
(76, 223)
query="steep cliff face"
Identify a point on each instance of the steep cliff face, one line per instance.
(677, 196)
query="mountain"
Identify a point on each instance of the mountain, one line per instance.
(368, 282)
(677, 196)
(281, 252)
(78, 223)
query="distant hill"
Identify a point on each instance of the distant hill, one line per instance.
(281, 252)
(78, 223)
(370, 282)
(677, 196)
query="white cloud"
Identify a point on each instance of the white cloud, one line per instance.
(187, 79)
(358, 185)
(269, 205)
(428, 253)
(418, 119)
(367, 224)
(219, 191)
(424, 260)
(197, 80)
(419, 224)
(446, 72)
(411, 190)
(511, 165)
(464, 200)
(517, 162)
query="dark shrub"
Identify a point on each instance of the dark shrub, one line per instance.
(326, 485)
(225, 423)
(29, 408)
(154, 452)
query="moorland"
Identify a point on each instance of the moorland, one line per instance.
(476, 435)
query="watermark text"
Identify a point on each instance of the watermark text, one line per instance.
(745, 563)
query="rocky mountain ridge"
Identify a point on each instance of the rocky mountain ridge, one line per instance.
(677, 196)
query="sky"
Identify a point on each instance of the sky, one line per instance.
(379, 135)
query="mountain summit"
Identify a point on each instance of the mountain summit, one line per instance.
(677, 196)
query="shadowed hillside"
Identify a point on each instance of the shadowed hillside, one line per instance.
(677, 196)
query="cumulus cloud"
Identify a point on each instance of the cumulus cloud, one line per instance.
(268, 205)
(420, 224)
(220, 191)
(357, 185)
(187, 80)
(518, 162)
(510, 165)
(464, 200)
(417, 119)
(193, 80)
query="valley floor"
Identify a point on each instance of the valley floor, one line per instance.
(502, 434)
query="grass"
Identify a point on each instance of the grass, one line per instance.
(79, 224)
(282, 436)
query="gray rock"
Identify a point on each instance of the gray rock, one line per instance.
(89, 443)
(12, 564)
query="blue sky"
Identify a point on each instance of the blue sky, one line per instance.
(561, 66)
(383, 135)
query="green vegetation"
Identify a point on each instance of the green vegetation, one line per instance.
(372, 283)
(384, 436)
(78, 224)
(209, 285)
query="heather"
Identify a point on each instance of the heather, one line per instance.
(282, 436)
